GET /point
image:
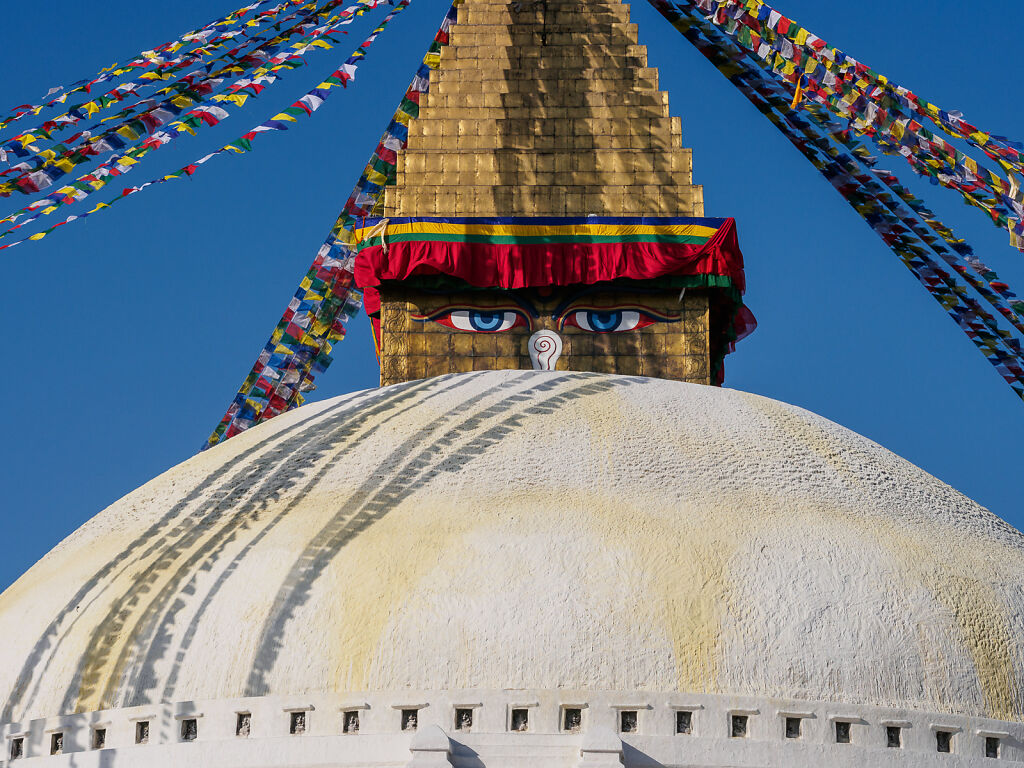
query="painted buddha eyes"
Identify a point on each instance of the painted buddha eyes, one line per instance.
(591, 319)
(481, 320)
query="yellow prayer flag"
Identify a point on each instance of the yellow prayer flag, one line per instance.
(65, 165)
(37, 236)
(283, 116)
(801, 36)
(235, 98)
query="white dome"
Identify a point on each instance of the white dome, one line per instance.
(529, 531)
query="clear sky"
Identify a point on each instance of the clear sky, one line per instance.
(128, 334)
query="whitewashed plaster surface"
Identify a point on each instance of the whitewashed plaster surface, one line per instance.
(529, 530)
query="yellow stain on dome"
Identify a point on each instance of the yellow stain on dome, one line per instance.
(960, 578)
(686, 556)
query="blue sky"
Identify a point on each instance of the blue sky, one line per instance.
(131, 332)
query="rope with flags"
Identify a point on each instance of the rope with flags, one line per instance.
(895, 118)
(37, 147)
(300, 345)
(944, 264)
(204, 114)
(146, 60)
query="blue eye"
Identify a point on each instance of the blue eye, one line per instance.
(607, 321)
(482, 321)
(489, 320)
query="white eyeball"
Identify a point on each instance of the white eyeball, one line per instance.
(479, 321)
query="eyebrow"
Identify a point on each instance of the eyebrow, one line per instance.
(522, 303)
(592, 289)
(557, 311)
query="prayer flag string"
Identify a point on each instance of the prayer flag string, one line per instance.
(207, 113)
(894, 117)
(897, 226)
(300, 345)
(146, 60)
(31, 146)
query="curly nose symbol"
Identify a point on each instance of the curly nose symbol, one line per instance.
(545, 347)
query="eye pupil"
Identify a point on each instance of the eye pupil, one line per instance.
(486, 321)
(605, 321)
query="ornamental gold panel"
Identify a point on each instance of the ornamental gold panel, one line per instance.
(414, 349)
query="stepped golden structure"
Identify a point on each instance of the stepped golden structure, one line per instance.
(507, 129)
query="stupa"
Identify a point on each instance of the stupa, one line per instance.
(549, 539)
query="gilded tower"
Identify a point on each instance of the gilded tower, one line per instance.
(544, 119)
